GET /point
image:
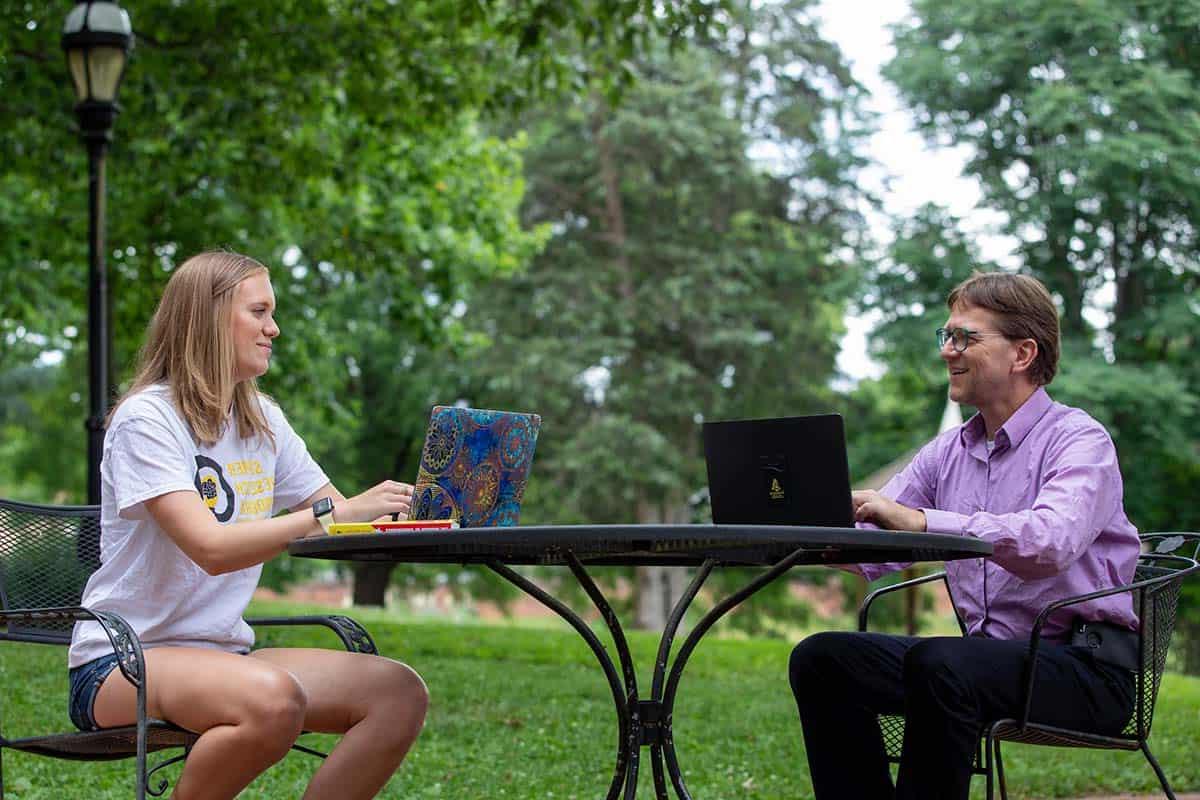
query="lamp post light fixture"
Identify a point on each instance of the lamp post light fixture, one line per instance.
(97, 38)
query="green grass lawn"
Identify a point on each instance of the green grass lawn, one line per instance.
(524, 712)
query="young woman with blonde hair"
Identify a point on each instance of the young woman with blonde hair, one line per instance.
(196, 464)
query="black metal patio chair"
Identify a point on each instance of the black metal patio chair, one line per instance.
(1157, 582)
(47, 554)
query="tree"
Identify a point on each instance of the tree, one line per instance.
(1083, 123)
(683, 280)
(339, 141)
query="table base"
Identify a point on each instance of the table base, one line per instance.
(645, 723)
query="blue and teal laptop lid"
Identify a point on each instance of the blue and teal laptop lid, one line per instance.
(474, 466)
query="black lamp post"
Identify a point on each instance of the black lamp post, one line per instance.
(97, 38)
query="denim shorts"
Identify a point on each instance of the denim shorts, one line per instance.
(86, 680)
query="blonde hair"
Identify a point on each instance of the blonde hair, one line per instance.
(189, 347)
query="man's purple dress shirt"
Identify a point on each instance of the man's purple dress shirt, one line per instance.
(1048, 498)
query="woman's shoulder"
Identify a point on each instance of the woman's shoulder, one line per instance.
(151, 403)
(270, 408)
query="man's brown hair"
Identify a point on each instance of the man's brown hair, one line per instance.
(1023, 309)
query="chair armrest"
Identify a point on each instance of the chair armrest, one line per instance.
(1187, 565)
(122, 637)
(124, 640)
(1167, 542)
(865, 608)
(353, 635)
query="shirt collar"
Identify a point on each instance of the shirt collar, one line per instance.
(1015, 428)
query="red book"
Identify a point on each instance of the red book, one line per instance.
(415, 525)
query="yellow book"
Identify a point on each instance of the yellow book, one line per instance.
(339, 528)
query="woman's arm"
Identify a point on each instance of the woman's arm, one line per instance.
(360, 508)
(218, 548)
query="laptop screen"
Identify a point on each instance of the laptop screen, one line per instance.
(786, 471)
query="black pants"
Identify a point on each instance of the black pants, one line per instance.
(947, 688)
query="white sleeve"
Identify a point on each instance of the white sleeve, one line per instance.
(297, 475)
(143, 460)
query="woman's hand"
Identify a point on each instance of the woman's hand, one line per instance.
(382, 499)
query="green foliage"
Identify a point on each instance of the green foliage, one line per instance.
(681, 279)
(1082, 119)
(341, 140)
(1149, 411)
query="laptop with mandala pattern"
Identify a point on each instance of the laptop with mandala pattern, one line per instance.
(474, 466)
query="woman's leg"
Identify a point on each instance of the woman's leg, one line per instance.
(248, 712)
(378, 704)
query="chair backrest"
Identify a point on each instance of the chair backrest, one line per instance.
(47, 554)
(1157, 608)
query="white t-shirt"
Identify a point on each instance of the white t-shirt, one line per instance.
(143, 575)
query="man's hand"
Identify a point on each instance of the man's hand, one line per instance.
(871, 506)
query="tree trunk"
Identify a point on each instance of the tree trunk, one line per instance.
(371, 582)
(658, 588)
(371, 579)
(614, 208)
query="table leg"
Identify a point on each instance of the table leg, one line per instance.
(660, 668)
(623, 717)
(648, 726)
(689, 644)
(633, 735)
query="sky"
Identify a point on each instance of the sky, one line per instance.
(911, 172)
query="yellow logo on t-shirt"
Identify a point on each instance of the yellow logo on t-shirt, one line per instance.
(213, 488)
(251, 495)
(208, 490)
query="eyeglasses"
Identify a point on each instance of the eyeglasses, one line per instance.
(959, 337)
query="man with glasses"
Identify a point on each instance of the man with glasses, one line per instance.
(1038, 480)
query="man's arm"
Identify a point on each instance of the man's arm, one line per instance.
(1080, 492)
(897, 505)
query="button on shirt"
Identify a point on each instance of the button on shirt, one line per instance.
(1048, 497)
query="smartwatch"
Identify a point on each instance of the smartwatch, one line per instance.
(323, 511)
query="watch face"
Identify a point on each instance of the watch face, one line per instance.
(322, 507)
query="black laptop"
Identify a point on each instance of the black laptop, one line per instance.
(788, 471)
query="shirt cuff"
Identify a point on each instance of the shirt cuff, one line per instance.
(871, 571)
(944, 521)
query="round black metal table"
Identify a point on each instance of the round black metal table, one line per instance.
(645, 722)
